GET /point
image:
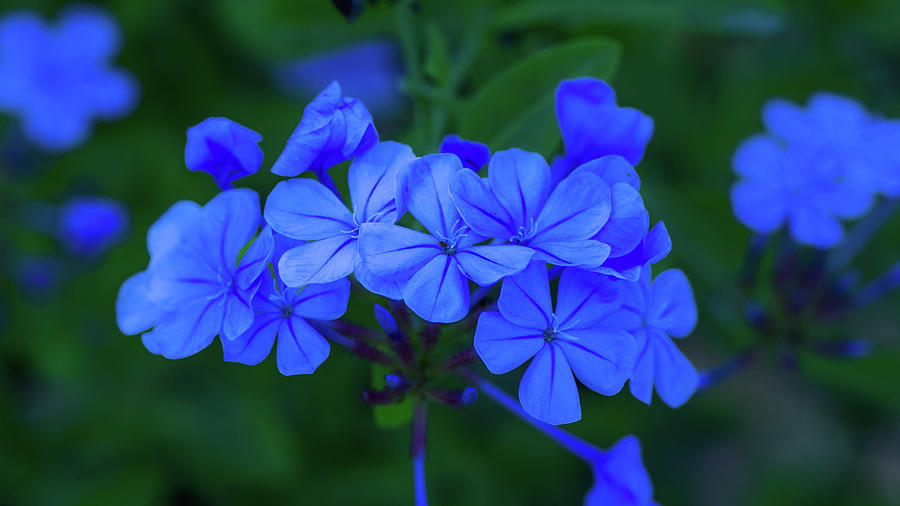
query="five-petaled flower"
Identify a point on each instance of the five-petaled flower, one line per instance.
(304, 209)
(58, 79)
(573, 337)
(432, 268)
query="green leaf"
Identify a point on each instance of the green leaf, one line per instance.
(873, 379)
(516, 108)
(390, 416)
(437, 60)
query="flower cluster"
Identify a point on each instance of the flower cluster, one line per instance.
(57, 79)
(424, 229)
(814, 167)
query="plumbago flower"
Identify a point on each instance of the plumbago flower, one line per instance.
(210, 273)
(432, 268)
(196, 287)
(333, 129)
(57, 79)
(307, 210)
(282, 311)
(815, 167)
(226, 150)
(567, 339)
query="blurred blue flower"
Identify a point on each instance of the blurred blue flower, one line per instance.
(837, 132)
(794, 184)
(652, 312)
(57, 79)
(333, 129)
(473, 155)
(39, 275)
(88, 226)
(305, 209)
(197, 285)
(226, 150)
(280, 311)
(432, 268)
(592, 125)
(517, 204)
(619, 477)
(369, 70)
(571, 338)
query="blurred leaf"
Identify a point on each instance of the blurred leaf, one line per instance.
(873, 379)
(437, 60)
(696, 16)
(516, 107)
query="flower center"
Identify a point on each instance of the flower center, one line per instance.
(458, 232)
(551, 332)
(523, 234)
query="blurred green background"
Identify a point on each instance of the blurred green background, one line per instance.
(89, 417)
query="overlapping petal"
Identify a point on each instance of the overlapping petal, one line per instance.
(306, 209)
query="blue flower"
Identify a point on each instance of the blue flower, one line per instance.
(592, 125)
(619, 477)
(333, 129)
(571, 338)
(56, 80)
(473, 155)
(89, 226)
(839, 133)
(280, 311)
(432, 268)
(226, 150)
(305, 209)
(655, 246)
(796, 185)
(368, 70)
(517, 204)
(652, 313)
(196, 286)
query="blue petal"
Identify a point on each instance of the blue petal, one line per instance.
(758, 205)
(547, 390)
(612, 169)
(601, 358)
(438, 292)
(628, 221)
(135, 312)
(502, 345)
(187, 331)
(425, 190)
(333, 129)
(587, 254)
(592, 125)
(168, 231)
(846, 201)
(229, 221)
(255, 343)
(584, 298)
(372, 181)
(672, 308)
(525, 298)
(318, 261)
(620, 477)
(521, 182)
(301, 348)
(787, 120)
(112, 94)
(478, 206)
(486, 265)
(576, 210)
(238, 314)
(374, 283)
(306, 209)
(641, 382)
(473, 155)
(810, 224)
(88, 33)
(759, 158)
(226, 150)
(256, 260)
(322, 302)
(675, 377)
(395, 252)
(837, 117)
